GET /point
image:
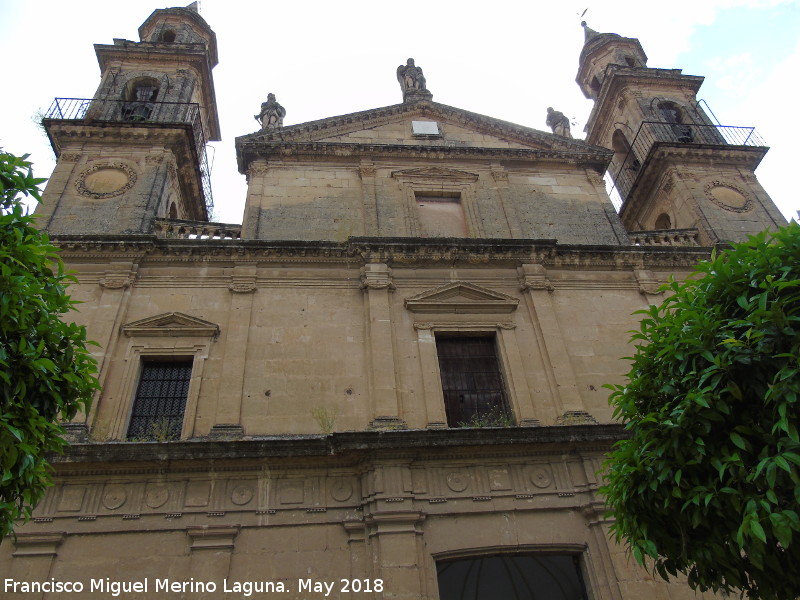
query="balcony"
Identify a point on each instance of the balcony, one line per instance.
(665, 237)
(96, 111)
(653, 134)
(196, 230)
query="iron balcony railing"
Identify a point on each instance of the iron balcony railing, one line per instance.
(120, 111)
(651, 133)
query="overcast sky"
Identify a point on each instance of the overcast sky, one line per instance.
(509, 60)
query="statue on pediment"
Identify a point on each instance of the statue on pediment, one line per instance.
(412, 81)
(271, 115)
(558, 122)
(410, 76)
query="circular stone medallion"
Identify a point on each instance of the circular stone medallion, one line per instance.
(341, 490)
(114, 497)
(242, 494)
(540, 476)
(106, 181)
(457, 481)
(156, 496)
(728, 197)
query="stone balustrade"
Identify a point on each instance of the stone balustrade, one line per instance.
(196, 230)
(665, 237)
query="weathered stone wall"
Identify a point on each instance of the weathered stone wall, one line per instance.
(377, 505)
(299, 200)
(279, 332)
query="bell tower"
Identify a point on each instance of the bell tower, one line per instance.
(673, 167)
(135, 151)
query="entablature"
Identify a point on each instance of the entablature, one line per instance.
(357, 251)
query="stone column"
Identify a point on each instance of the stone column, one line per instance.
(356, 544)
(397, 553)
(564, 388)
(33, 558)
(431, 377)
(376, 281)
(210, 555)
(106, 318)
(599, 564)
(227, 423)
(370, 204)
(500, 176)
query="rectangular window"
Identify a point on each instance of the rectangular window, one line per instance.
(441, 215)
(160, 400)
(474, 394)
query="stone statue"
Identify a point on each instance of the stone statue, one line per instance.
(410, 76)
(271, 115)
(558, 123)
(412, 81)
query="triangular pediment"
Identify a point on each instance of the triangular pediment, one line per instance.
(461, 297)
(439, 173)
(393, 126)
(171, 324)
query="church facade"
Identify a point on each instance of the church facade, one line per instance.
(387, 379)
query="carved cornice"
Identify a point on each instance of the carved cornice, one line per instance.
(598, 159)
(349, 446)
(305, 134)
(364, 250)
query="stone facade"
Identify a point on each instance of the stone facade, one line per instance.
(315, 440)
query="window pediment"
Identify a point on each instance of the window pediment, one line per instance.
(463, 298)
(172, 324)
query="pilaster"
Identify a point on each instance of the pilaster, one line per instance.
(376, 281)
(563, 385)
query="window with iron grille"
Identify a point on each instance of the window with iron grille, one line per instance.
(160, 400)
(474, 393)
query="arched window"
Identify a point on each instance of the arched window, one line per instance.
(168, 35)
(173, 211)
(663, 221)
(140, 95)
(672, 114)
(623, 153)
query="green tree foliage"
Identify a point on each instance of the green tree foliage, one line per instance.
(707, 485)
(46, 373)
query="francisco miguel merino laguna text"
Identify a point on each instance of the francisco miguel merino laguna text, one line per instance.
(246, 588)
